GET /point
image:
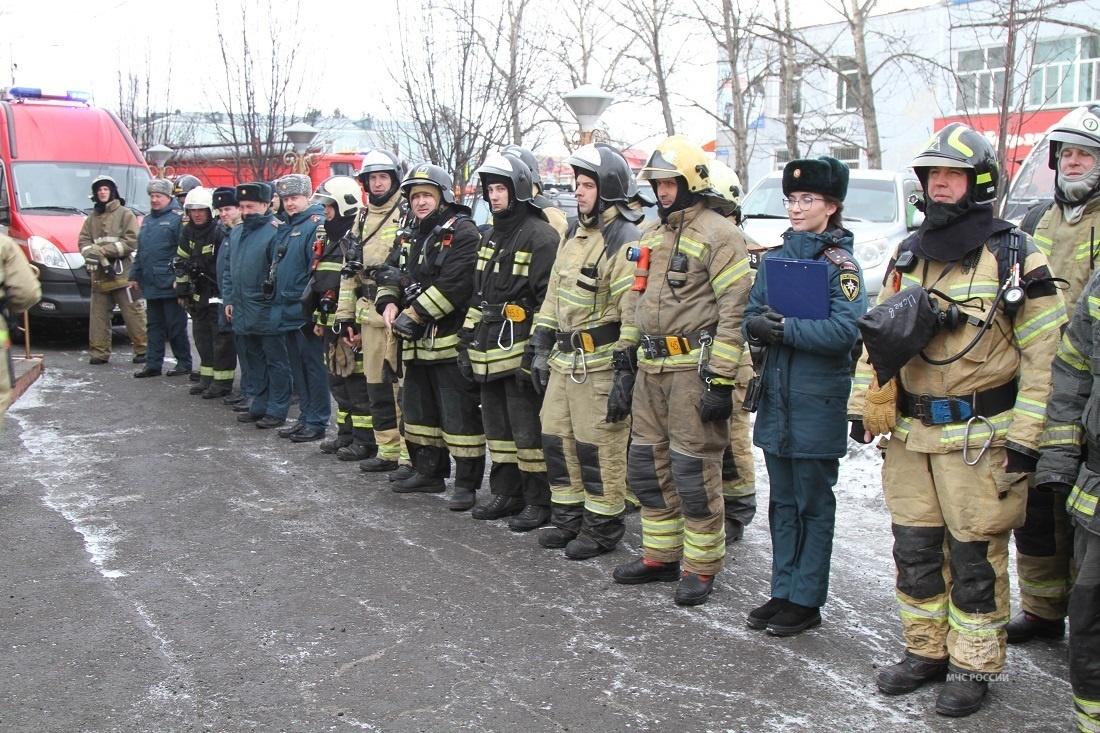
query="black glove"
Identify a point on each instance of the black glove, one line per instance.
(349, 330)
(859, 433)
(389, 376)
(621, 396)
(537, 352)
(767, 327)
(1055, 488)
(717, 402)
(1020, 462)
(408, 329)
(465, 368)
(389, 276)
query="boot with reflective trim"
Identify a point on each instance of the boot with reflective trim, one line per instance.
(963, 693)
(909, 674)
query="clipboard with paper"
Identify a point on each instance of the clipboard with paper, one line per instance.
(798, 288)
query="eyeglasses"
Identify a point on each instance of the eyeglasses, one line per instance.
(804, 203)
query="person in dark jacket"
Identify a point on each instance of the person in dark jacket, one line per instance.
(293, 265)
(513, 269)
(801, 424)
(166, 320)
(421, 298)
(248, 293)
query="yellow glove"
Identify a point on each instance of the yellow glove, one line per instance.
(880, 410)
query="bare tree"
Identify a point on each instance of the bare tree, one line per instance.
(653, 25)
(1010, 84)
(587, 47)
(520, 73)
(145, 107)
(731, 27)
(262, 85)
(444, 83)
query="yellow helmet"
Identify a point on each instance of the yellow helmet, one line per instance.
(725, 181)
(678, 156)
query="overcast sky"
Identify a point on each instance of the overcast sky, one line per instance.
(81, 44)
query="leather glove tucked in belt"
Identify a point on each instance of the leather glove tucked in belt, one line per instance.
(717, 402)
(408, 326)
(620, 398)
(767, 327)
(465, 368)
(880, 410)
(538, 349)
(1019, 462)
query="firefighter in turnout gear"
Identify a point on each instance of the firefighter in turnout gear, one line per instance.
(422, 295)
(107, 242)
(197, 288)
(513, 269)
(690, 304)
(1069, 467)
(341, 197)
(19, 290)
(583, 329)
(375, 232)
(965, 416)
(554, 215)
(1067, 235)
(738, 468)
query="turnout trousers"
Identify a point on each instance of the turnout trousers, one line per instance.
(951, 525)
(514, 435)
(1044, 555)
(738, 469)
(440, 411)
(1084, 638)
(675, 470)
(585, 457)
(381, 394)
(217, 352)
(802, 515)
(353, 417)
(99, 321)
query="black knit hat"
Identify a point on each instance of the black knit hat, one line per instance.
(824, 175)
(258, 191)
(224, 196)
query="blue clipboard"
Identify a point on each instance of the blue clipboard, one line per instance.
(798, 288)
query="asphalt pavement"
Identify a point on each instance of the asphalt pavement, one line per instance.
(169, 569)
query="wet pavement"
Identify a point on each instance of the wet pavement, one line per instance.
(169, 569)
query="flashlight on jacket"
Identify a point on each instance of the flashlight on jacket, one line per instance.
(640, 256)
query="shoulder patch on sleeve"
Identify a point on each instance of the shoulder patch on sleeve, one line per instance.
(316, 218)
(850, 284)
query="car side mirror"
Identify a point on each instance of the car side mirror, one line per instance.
(916, 218)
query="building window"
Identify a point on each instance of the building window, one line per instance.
(1064, 72)
(782, 157)
(847, 84)
(847, 154)
(981, 79)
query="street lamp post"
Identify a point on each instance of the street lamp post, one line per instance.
(158, 155)
(587, 102)
(300, 136)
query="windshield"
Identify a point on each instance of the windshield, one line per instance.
(1036, 179)
(63, 187)
(867, 200)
